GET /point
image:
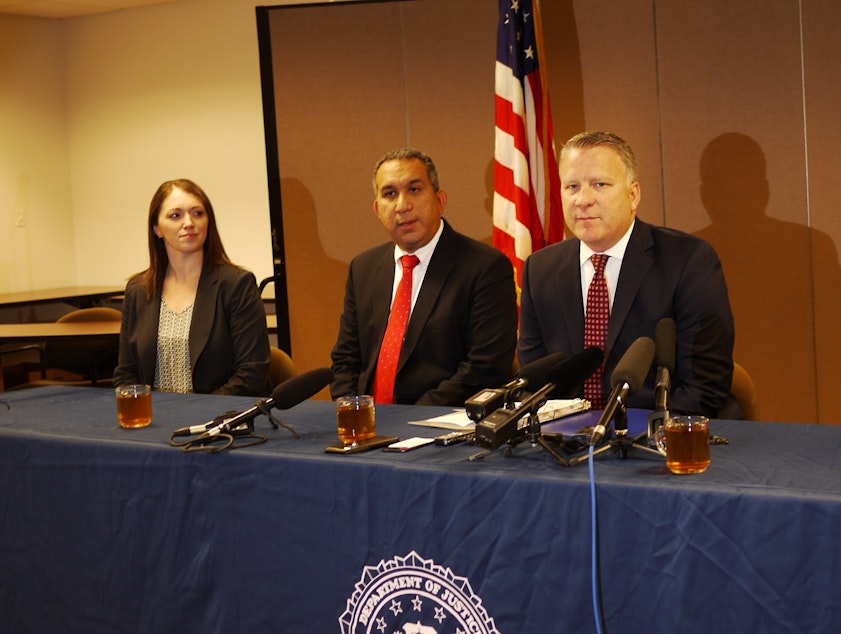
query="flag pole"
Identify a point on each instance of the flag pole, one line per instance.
(548, 143)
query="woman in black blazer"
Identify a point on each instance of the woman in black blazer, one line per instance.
(193, 321)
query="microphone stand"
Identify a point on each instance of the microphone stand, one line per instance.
(537, 438)
(661, 404)
(529, 407)
(620, 442)
(232, 430)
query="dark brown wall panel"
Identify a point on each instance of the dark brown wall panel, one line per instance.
(351, 83)
(732, 140)
(339, 100)
(450, 48)
(822, 97)
(619, 89)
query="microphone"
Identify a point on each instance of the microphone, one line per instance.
(287, 394)
(565, 375)
(664, 346)
(537, 372)
(300, 387)
(627, 378)
(483, 403)
(664, 359)
(569, 376)
(195, 429)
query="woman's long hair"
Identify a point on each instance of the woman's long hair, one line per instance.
(152, 279)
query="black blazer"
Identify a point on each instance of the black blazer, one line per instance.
(461, 334)
(665, 273)
(229, 344)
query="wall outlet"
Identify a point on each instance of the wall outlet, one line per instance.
(20, 217)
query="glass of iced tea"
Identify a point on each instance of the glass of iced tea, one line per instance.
(134, 405)
(355, 418)
(685, 440)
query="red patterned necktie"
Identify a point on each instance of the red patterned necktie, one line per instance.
(595, 328)
(394, 333)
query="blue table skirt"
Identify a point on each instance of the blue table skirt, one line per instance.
(110, 530)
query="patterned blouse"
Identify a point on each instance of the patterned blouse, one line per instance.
(172, 368)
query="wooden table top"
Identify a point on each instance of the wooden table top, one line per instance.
(41, 331)
(53, 330)
(65, 293)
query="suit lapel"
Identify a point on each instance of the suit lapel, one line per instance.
(203, 315)
(570, 301)
(437, 272)
(381, 284)
(635, 264)
(148, 319)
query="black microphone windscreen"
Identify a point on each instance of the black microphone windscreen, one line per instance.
(634, 365)
(535, 373)
(300, 387)
(664, 344)
(570, 374)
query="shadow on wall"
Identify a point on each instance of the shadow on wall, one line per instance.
(315, 281)
(770, 266)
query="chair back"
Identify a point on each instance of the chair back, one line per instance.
(744, 392)
(93, 358)
(281, 367)
(266, 281)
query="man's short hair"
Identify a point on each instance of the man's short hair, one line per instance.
(408, 153)
(586, 140)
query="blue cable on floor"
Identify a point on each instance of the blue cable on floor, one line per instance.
(594, 561)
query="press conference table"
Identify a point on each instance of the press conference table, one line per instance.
(111, 530)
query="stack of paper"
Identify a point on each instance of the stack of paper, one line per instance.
(552, 410)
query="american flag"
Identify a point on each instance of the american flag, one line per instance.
(527, 211)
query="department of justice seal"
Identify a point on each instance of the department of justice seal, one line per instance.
(412, 595)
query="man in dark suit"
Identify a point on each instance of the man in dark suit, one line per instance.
(462, 330)
(651, 272)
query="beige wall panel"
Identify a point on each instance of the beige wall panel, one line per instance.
(822, 68)
(34, 162)
(733, 160)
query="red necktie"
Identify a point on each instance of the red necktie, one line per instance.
(595, 328)
(394, 333)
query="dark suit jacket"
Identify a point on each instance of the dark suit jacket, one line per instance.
(229, 344)
(665, 273)
(461, 334)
